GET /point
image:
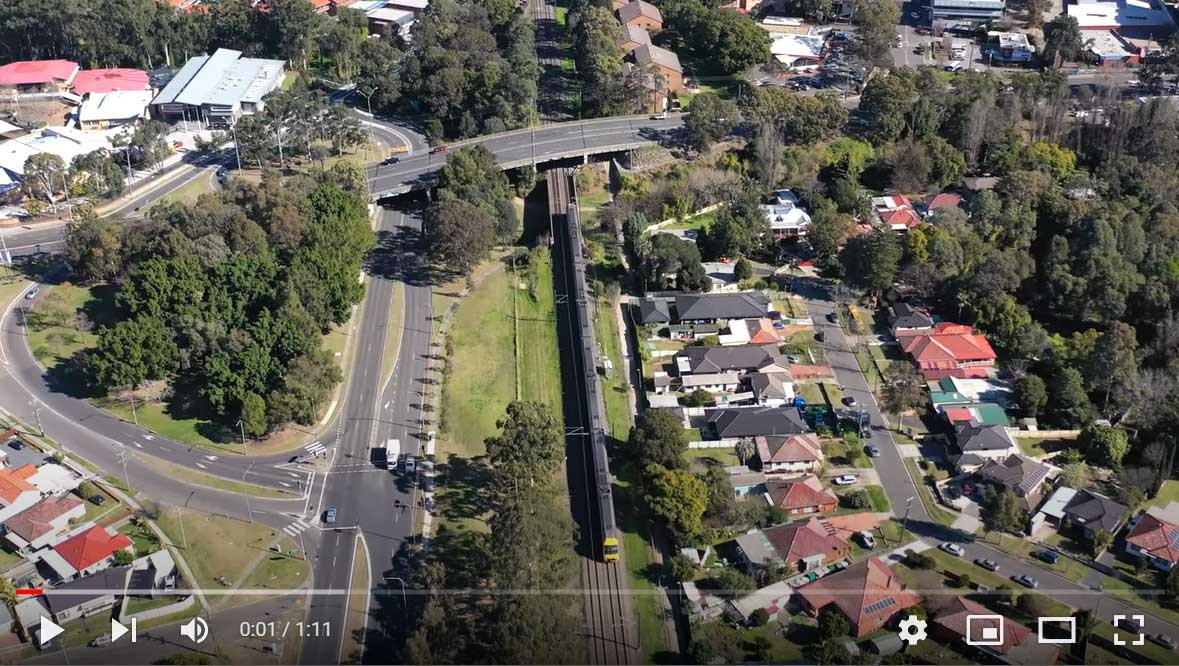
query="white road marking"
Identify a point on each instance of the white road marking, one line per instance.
(201, 466)
(149, 437)
(137, 445)
(281, 483)
(213, 458)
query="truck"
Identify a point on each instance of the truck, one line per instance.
(379, 454)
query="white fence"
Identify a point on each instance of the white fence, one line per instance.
(713, 444)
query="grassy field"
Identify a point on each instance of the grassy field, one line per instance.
(631, 511)
(190, 191)
(614, 389)
(220, 551)
(195, 477)
(935, 510)
(539, 369)
(702, 222)
(724, 456)
(1168, 492)
(877, 497)
(55, 332)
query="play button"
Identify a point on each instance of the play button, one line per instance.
(119, 630)
(47, 631)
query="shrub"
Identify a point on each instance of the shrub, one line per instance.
(915, 560)
(759, 618)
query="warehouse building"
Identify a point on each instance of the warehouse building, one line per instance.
(218, 89)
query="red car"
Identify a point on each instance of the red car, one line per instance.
(438, 150)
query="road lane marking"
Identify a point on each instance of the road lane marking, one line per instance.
(201, 466)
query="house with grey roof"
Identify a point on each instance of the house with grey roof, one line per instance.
(772, 389)
(975, 444)
(721, 307)
(907, 318)
(742, 359)
(1092, 512)
(641, 14)
(217, 89)
(652, 310)
(753, 421)
(1019, 474)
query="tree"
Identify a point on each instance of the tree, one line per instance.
(886, 103)
(1068, 404)
(44, 175)
(1032, 394)
(759, 618)
(902, 389)
(1101, 541)
(832, 624)
(678, 497)
(709, 119)
(876, 22)
(459, 234)
(1009, 325)
(745, 450)
(870, 261)
(723, 41)
(740, 229)
(674, 262)
(743, 270)
(132, 352)
(1171, 589)
(530, 443)
(1114, 364)
(1001, 511)
(254, 414)
(657, 438)
(1085, 623)
(1103, 445)
(1074, 475)
(94, 248)
(9, 598)
(1063, 41)
(829, 228)
(682, 567)
(471, 175)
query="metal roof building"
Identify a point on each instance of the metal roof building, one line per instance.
(218, 89)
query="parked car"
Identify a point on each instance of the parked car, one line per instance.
(989, 565)
(952, 548)
(17, 444)
(1130, 624)
(1046, 556)
(849, 400)
(691, 234)
(1026, 581)
(1163, 640)
(873, 452)
(867, 539)
(329, 516)
(410, 464)
(101, 641)
(845, 480)
(662, 115)
(32, 293)
(438, 150)
(97, 500)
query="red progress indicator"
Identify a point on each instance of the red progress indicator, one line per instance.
(29, 591)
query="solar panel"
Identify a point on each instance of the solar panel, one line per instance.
(1032, 479)
(878, 606)
(1174, 534)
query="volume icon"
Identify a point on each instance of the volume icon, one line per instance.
(195, 630)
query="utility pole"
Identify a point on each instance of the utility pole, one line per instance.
(7, 259)
(905, 524)
(236, 149)
(134, 414)
(241, 424)
(69, 206)
(37, 416)
(249, 510)
(121, 456)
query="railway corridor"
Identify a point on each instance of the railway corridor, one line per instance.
(610, 626)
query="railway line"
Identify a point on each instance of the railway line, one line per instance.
(611, 631)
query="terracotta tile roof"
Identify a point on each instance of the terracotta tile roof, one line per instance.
(956, 347)
(15, 482)
(865, 592)
(35, 521)
(1156, 537)
(953, 618)
(801, 493)
(789, 448)
(935, 374)
(944, 199)
(110, 80)
(33, 72)
(803, 539)
(901, 217)
(92, 546)
(761, 332)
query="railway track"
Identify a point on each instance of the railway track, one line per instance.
(551, 102)
(611, 631)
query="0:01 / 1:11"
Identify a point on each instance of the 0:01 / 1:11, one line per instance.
(272, 629)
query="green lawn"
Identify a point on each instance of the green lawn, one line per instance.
(1033, 447)
(136, 606)
(536, 337)
(877, 497)
(189, 192)
(1168, 492)
(935, 510)
(724, 456)
(219, 550)
(278, 571)
(54, 332)
(702, 222)
(560, 15)
(614, 389)
(633, 523)
(144, 539)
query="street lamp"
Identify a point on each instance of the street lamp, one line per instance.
(402, 582)
(905, 524)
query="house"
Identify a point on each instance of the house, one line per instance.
(961, 413)
(771, 389)
(789, 454)
(1110, 49)
(17, 492)
(1008, 47)
(742, 359)
(773, 599)
(866, 593)
(787, 221)
(385, 18)
(654, 311)
(960, 621)
(641, 14)
(1019, 474)
(113, 109)
(91, 551)
(754, 421)
(800, 496)
(90, 81)
(87, 596)
(153, 575)
(633, 37)
(664, 75)
(908, 319)
(1083, 510)
(974, 444)
(942, 200)
(43, 523)
(722, 275)
(949, 347)
(807, 544)
(218, 89)
(693, 331)
(415, 6)
(38, 76)
(1155, 540)
(750, 331)
(713, 382)
(721, 307)
(896, 212)
(29, 612)
(54, 479)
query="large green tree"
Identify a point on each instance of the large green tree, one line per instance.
(678, 497)
(709, 119)
(870, 261)
(530, 442)
(657, 438)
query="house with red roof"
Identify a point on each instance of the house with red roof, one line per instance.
(110, 80)
(1155, 540)
(33, 76)
(88, 552)
(17, 490)
(896, 212)
(867, 593)
(949, 348)
(801, 496)
(784, 454)
(942, 200)
(43, 523)
(1013, 642)
(802, 545)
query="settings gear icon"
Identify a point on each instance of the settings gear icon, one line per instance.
(912, 629)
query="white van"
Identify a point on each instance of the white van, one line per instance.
(954, 66)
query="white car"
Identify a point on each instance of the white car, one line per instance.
(867, 539)
(410, 464)
(953, 549)
(845, 480)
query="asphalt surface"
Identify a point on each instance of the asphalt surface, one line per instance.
(528, 146)
(899, 486)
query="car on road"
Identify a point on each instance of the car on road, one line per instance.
(329, 516)
(662, 115)
(392, 159)
(32, 293)
(410, 464)
(438, 150)
(101, 641)
(1046, 556)
(833, 317)
(1163, 640)
(1026, 581)
(989, 565)
(849, 400)
(691, 234)
(952, 548)
(867, 539)
(799, 87)
(845, 480)
(873, 452)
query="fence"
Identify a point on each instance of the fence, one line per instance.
(713, 444)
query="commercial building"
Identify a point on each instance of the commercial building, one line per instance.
(666, 73)
(1110, 49)
(952, 13)
(1139, 17)
(1009, 47)
(218, 89)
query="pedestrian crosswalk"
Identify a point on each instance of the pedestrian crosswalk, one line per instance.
(296, 527)
(315, 448)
